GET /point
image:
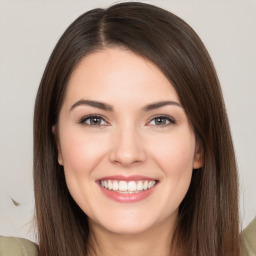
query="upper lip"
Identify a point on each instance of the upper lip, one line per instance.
(126, 178)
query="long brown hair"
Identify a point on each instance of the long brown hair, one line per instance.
(208, 215)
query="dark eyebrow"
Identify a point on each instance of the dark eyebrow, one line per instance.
(161, 104)
(92, 103)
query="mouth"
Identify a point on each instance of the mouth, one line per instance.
(127, 189)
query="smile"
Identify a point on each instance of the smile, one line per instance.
(130, 189)
(121, 186)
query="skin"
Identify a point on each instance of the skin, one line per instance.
(126, 141)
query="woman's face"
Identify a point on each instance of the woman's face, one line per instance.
(125, 143)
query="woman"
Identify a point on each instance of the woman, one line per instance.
(132, 148)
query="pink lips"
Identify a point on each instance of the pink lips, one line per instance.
(126, 178)
(127, 197)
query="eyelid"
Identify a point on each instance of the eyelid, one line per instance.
(171, 120)
(84, 118)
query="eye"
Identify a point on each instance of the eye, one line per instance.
(161, 121)
(93, 120)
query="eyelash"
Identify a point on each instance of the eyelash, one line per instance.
(90, 117)
(169, 119)
(165, 117)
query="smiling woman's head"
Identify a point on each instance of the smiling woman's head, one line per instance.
(130, 101)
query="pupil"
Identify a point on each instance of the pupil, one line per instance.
(160, 120)
(95, 121)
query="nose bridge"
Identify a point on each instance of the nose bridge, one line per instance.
(128, 145)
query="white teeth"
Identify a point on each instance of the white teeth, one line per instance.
(132, 186)
(127, 187)
(145, 186)
(110, 185)
(122, 186)
(140, 185)
(151, 184)
(115, 185)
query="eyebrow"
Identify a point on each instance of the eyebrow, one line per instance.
(92, 103)
(160, 104)
(107, 107)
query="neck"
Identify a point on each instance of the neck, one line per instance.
(156, 241)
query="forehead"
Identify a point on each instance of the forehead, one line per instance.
(121, 73)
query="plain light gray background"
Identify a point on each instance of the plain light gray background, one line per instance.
(30, 29)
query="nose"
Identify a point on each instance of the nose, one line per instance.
(128, 148)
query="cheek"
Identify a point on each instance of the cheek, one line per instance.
(80, 153)
(175, 153)
(175, 159)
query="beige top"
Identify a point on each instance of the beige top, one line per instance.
(249, 239)
(12, 246)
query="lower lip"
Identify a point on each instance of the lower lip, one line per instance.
(127, 198)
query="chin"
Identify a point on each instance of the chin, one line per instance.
(127, 228)
(128, 222)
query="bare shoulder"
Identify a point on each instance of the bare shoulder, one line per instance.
(249, 239)
(13, 246)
